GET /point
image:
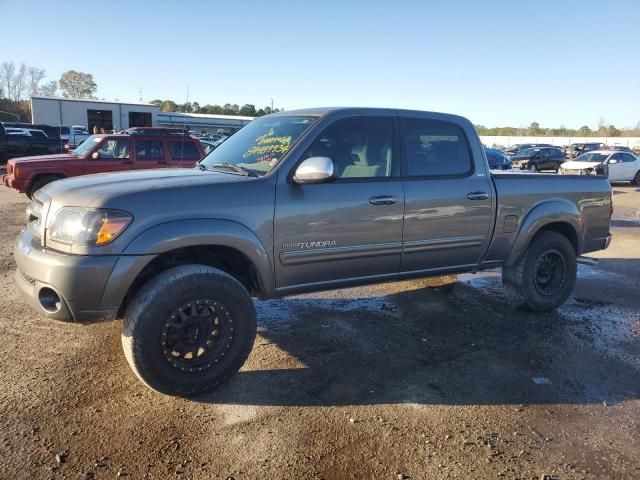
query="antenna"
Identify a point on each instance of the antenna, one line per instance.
(184, 126)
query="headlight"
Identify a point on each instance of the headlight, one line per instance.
(87, 227)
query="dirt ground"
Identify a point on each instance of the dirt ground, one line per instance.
(394, 381)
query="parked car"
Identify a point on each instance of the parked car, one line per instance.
(617, 166)
(133, 150)
(519, 147)
(538, 159)
(21, 141)
(295, 201)
(577, 149)
(49, 130)
(207, 145)
(77, 135)
(497, 160)
(618, 148)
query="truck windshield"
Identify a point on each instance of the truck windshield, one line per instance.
(258, 147)
(85, 147)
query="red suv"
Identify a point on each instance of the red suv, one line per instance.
(135, 149)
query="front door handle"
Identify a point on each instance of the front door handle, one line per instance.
(382, 200)
(477, 195)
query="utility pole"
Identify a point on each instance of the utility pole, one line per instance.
(140, 92)
(272, 105)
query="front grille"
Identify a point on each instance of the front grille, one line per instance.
(30, 280)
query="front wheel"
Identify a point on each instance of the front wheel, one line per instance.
(544, 276)
(636, 179)
(533, 167)
(188, 329)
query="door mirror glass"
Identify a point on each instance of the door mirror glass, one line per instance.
(314, 170)
(95, 155)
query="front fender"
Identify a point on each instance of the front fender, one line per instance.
(545, 213)
(190, 233)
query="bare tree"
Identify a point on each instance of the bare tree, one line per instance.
(7, 72)
(49, 89)
(35, 76)
(77, 84)
(19, 83)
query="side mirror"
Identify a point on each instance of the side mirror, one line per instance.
(314, 170)
(613, 160)
(95, 155)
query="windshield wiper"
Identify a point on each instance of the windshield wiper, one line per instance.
(236, 168)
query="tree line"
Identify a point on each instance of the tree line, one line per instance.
(246, 110)
(535, 130)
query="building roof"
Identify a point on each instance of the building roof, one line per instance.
(92, 100)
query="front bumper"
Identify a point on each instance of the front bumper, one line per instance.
(88, 288)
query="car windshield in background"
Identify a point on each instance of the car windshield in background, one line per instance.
(85, 147)
(529, 151)
(258, 147)
(592, 157)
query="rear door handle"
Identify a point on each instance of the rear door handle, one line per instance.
(477, 195)
(382, 200)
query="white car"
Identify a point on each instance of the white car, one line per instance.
(622, 166)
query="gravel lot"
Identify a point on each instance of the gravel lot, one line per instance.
(393, 381)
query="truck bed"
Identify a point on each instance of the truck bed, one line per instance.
(582, 200)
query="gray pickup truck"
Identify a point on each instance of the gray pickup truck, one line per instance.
(295, 201)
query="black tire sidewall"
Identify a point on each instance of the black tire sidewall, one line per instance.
(38, 184)
(543, 243)
(158, 299)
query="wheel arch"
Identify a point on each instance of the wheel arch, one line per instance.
(223, 244)
(557, 215)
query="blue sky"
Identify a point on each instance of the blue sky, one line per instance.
(497, 62)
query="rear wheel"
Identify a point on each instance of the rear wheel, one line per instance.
(636, 179)
(188, 329)
(544, 276)
(38, 183)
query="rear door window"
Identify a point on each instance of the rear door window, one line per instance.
(149, 150)
(183, 150)
(434, 148)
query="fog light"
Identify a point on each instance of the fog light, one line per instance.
(49, 300)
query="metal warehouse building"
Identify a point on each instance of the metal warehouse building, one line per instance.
(101, 114)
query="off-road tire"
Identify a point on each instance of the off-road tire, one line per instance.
(519, 281)
(39, 183)
(152, 305)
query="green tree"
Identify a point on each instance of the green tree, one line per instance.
(77, 84)
(168, 106)
(584, 131)
(248, 110)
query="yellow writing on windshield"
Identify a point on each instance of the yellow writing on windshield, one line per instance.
(269, 144)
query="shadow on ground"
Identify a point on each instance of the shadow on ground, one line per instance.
(451, 346)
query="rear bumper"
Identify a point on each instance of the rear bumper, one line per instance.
(73, 288)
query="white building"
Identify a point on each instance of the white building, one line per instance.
(92, 114)
(101, 114)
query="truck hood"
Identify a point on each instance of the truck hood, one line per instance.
(579, 165)
(43, 158)
(89, 190)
